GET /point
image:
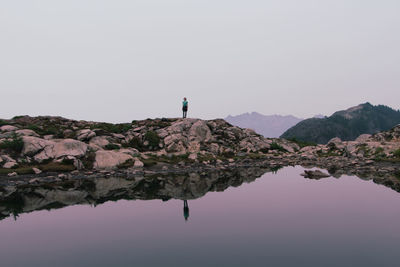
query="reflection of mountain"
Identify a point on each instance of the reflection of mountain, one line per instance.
(28, 198)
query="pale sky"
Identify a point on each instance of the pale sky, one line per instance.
(119, 60)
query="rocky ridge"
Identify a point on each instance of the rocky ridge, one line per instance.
(48, 143)
(42, 146)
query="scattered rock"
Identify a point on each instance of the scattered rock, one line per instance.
(99, 142)
(138, 164)
(10, 165)
(34, 180)
(36, 170)
(193, 156)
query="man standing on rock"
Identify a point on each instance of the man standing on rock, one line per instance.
(184, 107)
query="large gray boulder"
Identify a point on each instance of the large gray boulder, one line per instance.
(33, 145)
(62, 148)
(200, 132)
(110, 159)
(99, 142)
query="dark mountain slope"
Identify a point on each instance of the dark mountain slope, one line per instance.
(346, 124)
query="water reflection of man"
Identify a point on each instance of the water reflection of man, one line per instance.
(185, 210)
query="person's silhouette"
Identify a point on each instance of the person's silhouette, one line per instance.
(185, 107)
(185, 210)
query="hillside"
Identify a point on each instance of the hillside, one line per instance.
(346, 124)
(40, 144)
(268, 126)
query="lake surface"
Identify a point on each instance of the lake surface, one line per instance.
(279, 219)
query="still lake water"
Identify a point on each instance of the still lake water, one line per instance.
(279, 219)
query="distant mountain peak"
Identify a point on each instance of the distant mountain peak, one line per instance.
(267, 125)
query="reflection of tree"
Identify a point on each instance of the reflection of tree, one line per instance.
(185, 210)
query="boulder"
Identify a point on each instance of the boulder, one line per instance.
(33, 145)
(200, 132)
(10, 164)
(62, 148)
(85, 134)
(8, 128)
(174, 138)
(110, 159)
(287, 148)
(162, 133)
(335, 140)
(138, 164)
(6, 158)
(178, 148)
(36, 170)
(100, 141)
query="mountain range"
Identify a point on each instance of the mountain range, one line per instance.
(267, 125)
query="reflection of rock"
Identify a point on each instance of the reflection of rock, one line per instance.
(47, 193)
(38, 196)
(314, 174)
